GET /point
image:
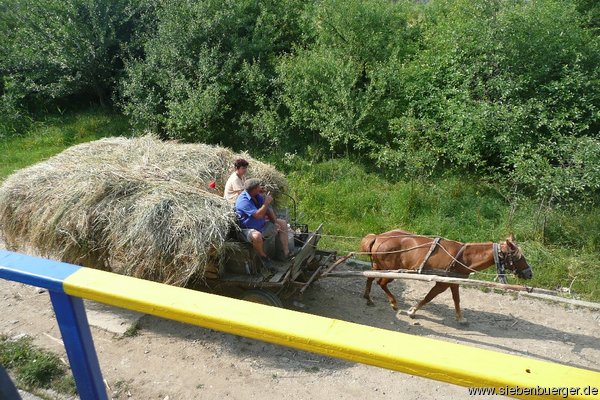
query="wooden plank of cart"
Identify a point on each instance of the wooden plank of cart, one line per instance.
(243, 275)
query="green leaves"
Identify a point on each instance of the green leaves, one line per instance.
(561, 172)
(208, 72)
(413, 88)
(343, 86)
(61, 48)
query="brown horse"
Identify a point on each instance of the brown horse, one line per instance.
(399, 249)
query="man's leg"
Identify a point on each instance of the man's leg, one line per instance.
(258, 243)
(282, 229)
(256, 239)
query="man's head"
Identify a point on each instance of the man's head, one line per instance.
(252, 186)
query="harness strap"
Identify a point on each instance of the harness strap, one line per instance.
(455, 259)
(434, 244)
(500, 267)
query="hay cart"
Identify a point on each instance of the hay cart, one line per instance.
(243, 275)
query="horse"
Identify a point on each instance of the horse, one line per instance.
(398, 249)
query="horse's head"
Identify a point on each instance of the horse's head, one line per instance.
(514, 259)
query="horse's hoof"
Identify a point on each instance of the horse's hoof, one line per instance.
(463, 321)
(370, 303)
(412, 313)
(394, 307)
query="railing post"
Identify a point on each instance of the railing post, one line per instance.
(77, 337)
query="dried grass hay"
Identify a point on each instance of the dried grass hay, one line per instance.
(139, 207)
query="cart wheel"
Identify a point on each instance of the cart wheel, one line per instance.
(261, 296)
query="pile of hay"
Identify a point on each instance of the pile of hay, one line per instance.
(139, 207)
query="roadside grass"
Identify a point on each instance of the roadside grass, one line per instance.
(34, 368)
(57, 132)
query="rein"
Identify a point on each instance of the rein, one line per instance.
(432, 246)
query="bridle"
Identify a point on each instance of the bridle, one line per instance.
(506, 260)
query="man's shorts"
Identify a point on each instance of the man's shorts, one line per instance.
(268, 230)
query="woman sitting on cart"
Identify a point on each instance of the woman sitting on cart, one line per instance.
(257, 219)
(235, 183)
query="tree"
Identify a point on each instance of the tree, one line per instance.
(208, 72)
(55, 48)
(344, 86)
(495, 78)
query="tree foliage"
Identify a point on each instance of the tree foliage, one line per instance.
(54, 50)
(207, 74)
(452, 85)
(505, 89)
(498, 81)
(343, 86)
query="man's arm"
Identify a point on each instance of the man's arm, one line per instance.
(264, 209)
(271, 214)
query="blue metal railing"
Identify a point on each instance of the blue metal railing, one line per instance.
(453, 363)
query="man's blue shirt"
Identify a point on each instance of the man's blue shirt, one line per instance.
(246, 208)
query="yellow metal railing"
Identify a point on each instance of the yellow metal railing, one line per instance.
(434, 359)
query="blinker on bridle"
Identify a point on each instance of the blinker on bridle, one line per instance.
(505, 260)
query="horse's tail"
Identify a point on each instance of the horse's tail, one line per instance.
(366, 244)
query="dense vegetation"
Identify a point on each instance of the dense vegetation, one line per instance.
(492, 106)
(498, 88)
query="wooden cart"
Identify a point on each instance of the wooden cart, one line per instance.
(244, 276)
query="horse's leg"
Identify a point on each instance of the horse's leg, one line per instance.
(437, 289)
(456, 298)
(383, 282)
(367, 294)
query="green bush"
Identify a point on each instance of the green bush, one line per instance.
(561, 171)
(344, 86)
(496, 84)
(207, 74)
(57, 53)
(14, 118)
(480, 86)
(590, 9)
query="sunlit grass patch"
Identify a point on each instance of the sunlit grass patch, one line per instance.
(34, 368)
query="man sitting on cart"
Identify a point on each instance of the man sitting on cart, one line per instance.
(258, 220)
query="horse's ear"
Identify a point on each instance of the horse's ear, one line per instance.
(510, 241)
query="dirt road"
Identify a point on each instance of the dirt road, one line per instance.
(169, 360)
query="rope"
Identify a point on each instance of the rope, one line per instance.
(360, 237)
(355, 253)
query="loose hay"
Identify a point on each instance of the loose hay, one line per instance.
(139, 207)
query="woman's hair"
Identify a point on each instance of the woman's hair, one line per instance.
(240, 162)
